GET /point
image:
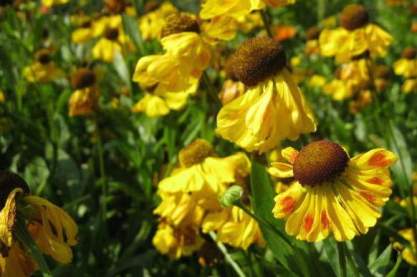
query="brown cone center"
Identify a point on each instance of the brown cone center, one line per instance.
(256, 60)
(83, 78)
(319, 162)
(112, 34)
(409, 53)
(354, 16)
(179, 23)
(195, 153)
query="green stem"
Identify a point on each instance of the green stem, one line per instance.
(227, 256)
(103, 178)
(265, 21)
(341, 251)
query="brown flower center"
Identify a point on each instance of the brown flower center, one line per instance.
(382, 71)
(354, 16)
(8, 182)
(115, 6)
(178, 23)
(409, 53)
(313, 33)
(43, 56)
(195, 153)
(256, 60)
(83, 78)
(318, 162)
(112, 33)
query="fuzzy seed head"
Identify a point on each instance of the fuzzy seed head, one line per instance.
(195, 153)
(318, 162)
(409, 53)
(353, 17)
(313, 33)
(43, 56)
(382, 71)
(256, 60)
(112, 34)
(178, 23)
(83, 78)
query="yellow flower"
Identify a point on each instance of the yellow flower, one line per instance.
(83, 33)
(51, 3)
(152, 23)
(317, 81)
(409, 86)
(159, 105)
(2, 96)
(250, 120)
(176, 242)
(237, 8)
(234, 227)
(53, 230)
(43, 69)
(339, 90)
(230, 91)
(355, 37)
(17, 263)
(361, 99)
(407, 65)
(112, 38)
(83, 101)
(332, 193)
(408, 253)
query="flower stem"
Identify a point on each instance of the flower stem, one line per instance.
(265, 21)
(227, 256)
(342, 258)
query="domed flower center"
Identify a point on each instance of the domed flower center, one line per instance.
(83, 78)
(409, 53)
(43, 56)
(115, 6)
(256, 60)
(112, 34)
(195, 153)
(179, 23)
(353, 17)
(8, 182)
(319, 162)
(382, 71)
(313, 33)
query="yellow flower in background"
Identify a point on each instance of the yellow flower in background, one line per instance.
(250, 120)
(112, 39)
(51, 3)
(312, 45)
(356, 36)
(407, 65)
(237, 8)
(407, 252)
(355, 73)
(84, 100)
(332, 194)
(53, 230)
(339, 90)
(152, 23)
(409, 86)
(42, 70)
(360, 100)
(177, 242)
(83, 33)
(317, 81)
(234, 227)
(2, 96)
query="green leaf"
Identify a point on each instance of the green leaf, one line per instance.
(380, 266)
(288, 254)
